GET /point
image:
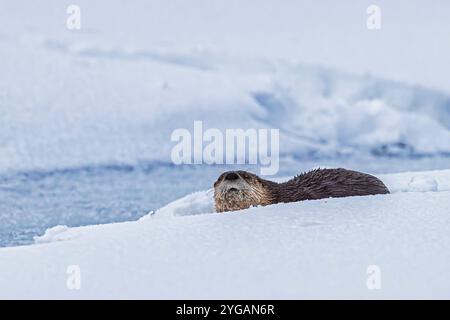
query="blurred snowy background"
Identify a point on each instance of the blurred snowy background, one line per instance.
(86, 115)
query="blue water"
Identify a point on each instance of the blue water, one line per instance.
(32, 201)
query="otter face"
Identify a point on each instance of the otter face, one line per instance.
(235, 190)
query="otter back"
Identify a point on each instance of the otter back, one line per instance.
(235, 190)
(329, 183)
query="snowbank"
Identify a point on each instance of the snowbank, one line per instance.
(311, 249)
(110, 96)
(203, 202)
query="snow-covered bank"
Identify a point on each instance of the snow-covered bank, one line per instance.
(203, 202)
(86, 115)
(298, 250)
(114, 96)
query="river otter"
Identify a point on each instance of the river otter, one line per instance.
(235, 190)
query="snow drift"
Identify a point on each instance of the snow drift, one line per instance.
(90, 112)
(114, 96)
(310, 249)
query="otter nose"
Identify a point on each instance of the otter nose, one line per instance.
(231, 176)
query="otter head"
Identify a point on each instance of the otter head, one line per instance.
(235, 190)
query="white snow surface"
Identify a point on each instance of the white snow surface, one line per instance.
(114, 91)
(310, 249)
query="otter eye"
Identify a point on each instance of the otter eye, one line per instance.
(220, 178)
(245, 175)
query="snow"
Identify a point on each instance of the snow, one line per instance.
(57, 233)
(113, 96)
(86, 118)
(196, 203)
(417, 181)
(422, 184)
(310, 249)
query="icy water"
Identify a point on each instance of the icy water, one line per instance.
(31, 202)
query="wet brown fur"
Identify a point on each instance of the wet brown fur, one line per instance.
(250, 190)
